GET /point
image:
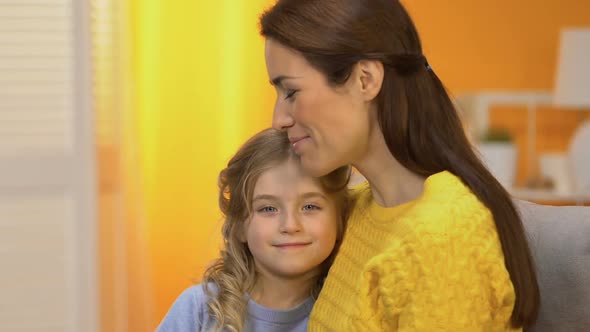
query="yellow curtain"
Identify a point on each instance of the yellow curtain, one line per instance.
(188, 86)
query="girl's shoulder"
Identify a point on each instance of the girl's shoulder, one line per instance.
(189, 310)
(198, 294)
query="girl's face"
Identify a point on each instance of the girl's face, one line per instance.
(293, 226)
(328, 126)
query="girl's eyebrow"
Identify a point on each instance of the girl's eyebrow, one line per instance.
(307, 195)
(264, 197)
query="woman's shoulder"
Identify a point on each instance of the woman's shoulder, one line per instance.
(447, 214)
(359, 191)
(448, 207)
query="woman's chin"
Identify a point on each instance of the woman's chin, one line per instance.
(316, 167)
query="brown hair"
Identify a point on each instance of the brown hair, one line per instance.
(233, 274)
(420, 124)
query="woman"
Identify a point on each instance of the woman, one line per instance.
(434, 241)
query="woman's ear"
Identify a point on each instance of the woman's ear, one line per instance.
(371, 74)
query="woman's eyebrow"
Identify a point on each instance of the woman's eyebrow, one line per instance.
(278, 81)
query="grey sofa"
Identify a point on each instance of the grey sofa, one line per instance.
(560, 241)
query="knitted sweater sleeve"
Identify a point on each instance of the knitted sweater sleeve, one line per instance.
(448, 276)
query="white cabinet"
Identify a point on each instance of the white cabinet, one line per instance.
(48, 253)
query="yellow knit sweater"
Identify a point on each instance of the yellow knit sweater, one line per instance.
(433, 264)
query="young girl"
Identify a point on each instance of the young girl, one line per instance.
(434, 242)
(281, 229)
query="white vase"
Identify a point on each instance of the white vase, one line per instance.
(500, 159)
(557, 167)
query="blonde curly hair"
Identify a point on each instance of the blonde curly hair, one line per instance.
(233, 273)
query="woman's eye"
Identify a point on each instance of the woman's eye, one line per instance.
(310, 207)
(267, 209)
(290, 94)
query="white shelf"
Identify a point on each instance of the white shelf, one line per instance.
(547, 195)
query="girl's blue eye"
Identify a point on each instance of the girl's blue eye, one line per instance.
(309, 207)
(267, 209)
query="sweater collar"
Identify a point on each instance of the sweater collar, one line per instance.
(439, 187)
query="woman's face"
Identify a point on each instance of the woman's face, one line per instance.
(328, 126)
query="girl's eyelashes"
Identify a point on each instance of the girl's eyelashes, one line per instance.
(267, 209)
(311, 207)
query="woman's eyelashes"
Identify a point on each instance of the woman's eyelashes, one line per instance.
(290, 94)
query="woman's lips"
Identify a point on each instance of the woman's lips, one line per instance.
(297, 141)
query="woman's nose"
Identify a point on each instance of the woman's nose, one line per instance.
(281, 118)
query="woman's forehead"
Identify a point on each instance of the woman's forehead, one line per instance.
(282, 60)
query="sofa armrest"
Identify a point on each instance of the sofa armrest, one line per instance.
(560, 242)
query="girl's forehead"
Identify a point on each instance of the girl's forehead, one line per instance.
(285, 178)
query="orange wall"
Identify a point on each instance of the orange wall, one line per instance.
(501, 44)
(505, 45)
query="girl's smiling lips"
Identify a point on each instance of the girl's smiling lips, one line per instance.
(291, 245)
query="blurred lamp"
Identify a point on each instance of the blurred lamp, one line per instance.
(572, 91)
